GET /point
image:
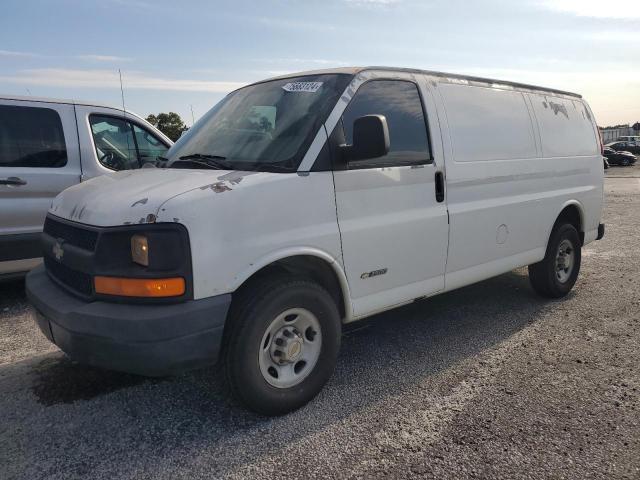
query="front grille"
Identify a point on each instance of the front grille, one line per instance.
(77, 236)
(77, 281)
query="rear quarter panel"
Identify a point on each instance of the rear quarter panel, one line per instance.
(507, 180)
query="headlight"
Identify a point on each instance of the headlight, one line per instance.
(140, 250)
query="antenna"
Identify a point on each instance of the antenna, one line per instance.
(124, 116)
(192, 118)
(121, 91)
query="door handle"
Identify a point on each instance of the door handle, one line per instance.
(12, 181)
(439, 187)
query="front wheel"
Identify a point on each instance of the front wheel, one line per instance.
(283, 344)
(556, 274)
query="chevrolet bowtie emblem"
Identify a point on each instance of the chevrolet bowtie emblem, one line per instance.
(58, 251)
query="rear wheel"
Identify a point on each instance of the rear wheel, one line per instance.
(282, 344)
(556, 274)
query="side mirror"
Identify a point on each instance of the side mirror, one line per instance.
(370, 139)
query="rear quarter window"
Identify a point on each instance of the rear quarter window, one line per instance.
(31, 137)
(566, 127)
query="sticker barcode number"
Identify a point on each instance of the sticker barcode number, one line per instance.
(310, 87)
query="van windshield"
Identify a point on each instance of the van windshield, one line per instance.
(263, 127)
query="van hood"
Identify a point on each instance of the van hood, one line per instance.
(136, 196)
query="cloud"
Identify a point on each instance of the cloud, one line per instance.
(294, 24)
(135, 3)
(373, 3)
(298, 62)
(11, 53)
(59, 77)
(104, 58)
(616, 36)
(86, 57)
(620, 9)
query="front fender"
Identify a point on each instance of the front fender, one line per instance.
(290, 252)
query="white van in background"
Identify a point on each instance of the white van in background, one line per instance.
(303, 202)
(47, 145)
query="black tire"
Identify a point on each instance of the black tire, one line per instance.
(543, 275)
(251, 314)
(625, 162)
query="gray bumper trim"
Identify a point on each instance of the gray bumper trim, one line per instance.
(144, 339)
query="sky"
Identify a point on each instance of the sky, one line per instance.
(186, 55)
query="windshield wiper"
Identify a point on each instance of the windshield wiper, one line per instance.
(211, 161)
(268, 167)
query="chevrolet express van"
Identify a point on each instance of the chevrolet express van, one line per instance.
(47, 145)
(304, 202)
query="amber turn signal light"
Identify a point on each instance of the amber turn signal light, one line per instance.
(140, 287)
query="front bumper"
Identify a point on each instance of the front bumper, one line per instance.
(152, 340)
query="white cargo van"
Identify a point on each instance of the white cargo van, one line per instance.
(47, 145)
(304, 202)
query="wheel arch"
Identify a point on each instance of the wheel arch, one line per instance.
(310, 262)
(572, 212)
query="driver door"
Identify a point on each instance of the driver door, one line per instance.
(393, 221)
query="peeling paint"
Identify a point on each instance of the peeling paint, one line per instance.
(544, 104)
(142, 201)
(235, 177)
(559, 107)
(177, 220)
(217, 187)
(151, 218)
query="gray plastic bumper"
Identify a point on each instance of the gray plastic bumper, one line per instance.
(146, 339)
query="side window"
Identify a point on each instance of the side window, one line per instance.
(399, 101)
(31, 137)
(149, 146)
(115, 145)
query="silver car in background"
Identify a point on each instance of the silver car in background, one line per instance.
(47, 145)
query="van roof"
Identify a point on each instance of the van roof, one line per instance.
(471, 78)
(63, 101)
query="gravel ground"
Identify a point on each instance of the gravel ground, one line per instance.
(489, 381)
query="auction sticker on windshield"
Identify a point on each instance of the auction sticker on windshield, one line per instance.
(310, 87)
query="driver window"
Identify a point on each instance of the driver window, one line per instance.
(115, 145)
(400, 103)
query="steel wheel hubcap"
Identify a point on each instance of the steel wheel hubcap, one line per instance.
(290, 348)
(565, 260)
